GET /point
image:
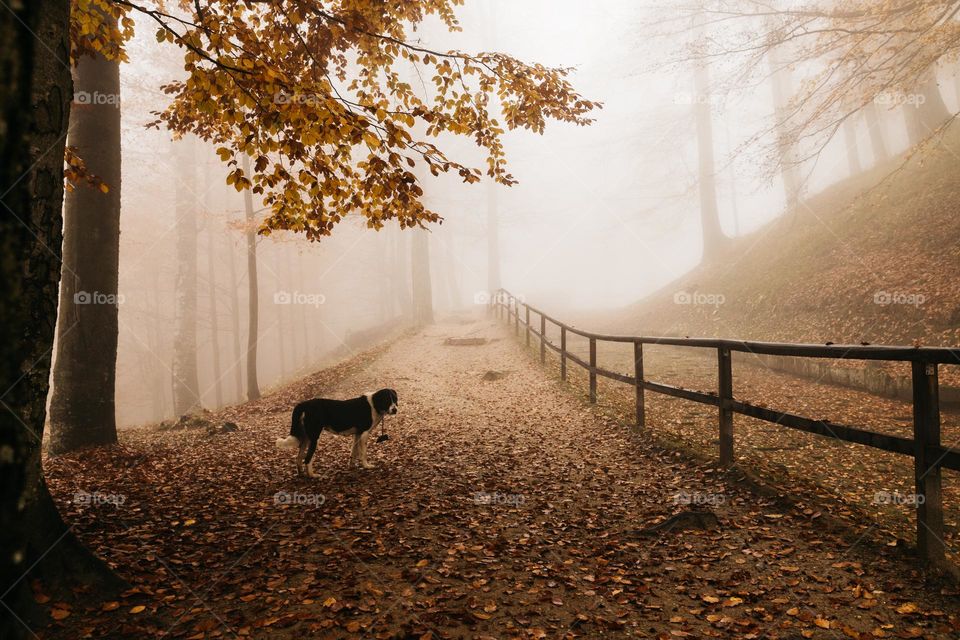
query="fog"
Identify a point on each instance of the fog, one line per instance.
(601, 215)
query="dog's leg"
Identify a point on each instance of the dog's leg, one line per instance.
(355, 451)
(300, 455)
(309, 459)
(364, 441)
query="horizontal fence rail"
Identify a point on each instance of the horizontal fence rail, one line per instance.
(925, 446)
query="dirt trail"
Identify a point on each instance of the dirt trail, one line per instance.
(499, 508)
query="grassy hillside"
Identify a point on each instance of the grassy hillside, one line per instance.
(870, 259)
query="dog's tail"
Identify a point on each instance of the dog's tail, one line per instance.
(296, 429)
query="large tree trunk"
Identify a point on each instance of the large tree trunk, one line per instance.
(186, 386)
(82, 408)
(713, 238)
(878, 143)
(253, 387)
(422, 289)
(34, 108)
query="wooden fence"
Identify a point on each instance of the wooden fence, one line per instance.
(925, 447)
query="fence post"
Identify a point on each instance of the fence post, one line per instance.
(526, 321)
(516, 317)
(926, 434)
(563, 353)
(725, 378)
(543, 338)
(638, 382)
(593, 370)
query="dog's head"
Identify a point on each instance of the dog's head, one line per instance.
(385, 401)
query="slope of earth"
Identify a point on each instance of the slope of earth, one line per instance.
(875, 258)
(501, 507)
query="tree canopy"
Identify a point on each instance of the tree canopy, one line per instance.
(318, 95)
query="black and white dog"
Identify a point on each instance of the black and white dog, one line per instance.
(356, 417)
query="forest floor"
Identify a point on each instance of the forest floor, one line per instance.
(504, 507)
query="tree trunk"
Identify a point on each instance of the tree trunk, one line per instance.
(282, 326)
(295, 349)
(214, 324)
(878, 144)
(927, 112)
(82, 408)
(422, 289)
(402, 285)
(186, 386)
(438, 267)
(781, 84)
(493, 240)
(713, 237)
(305, 360)
(450, 273)
(253, 308)
(853, 149)
(158, 329)
(734, 204)
(34, 110)
(234, 319)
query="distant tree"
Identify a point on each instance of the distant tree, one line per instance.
(781, 82)
(853, 148)
(34, 111)
(713, 237)
(493, 241)
(234, 316)
(926, 111)
(213, 310)
(253, 292)
(420, 277)
(186, 385)
(493, 227)
(877, 141)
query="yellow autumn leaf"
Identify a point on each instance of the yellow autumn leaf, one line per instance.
(908, 607)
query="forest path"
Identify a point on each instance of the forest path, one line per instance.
(498, 509)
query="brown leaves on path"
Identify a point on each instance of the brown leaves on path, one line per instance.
(503, 508)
